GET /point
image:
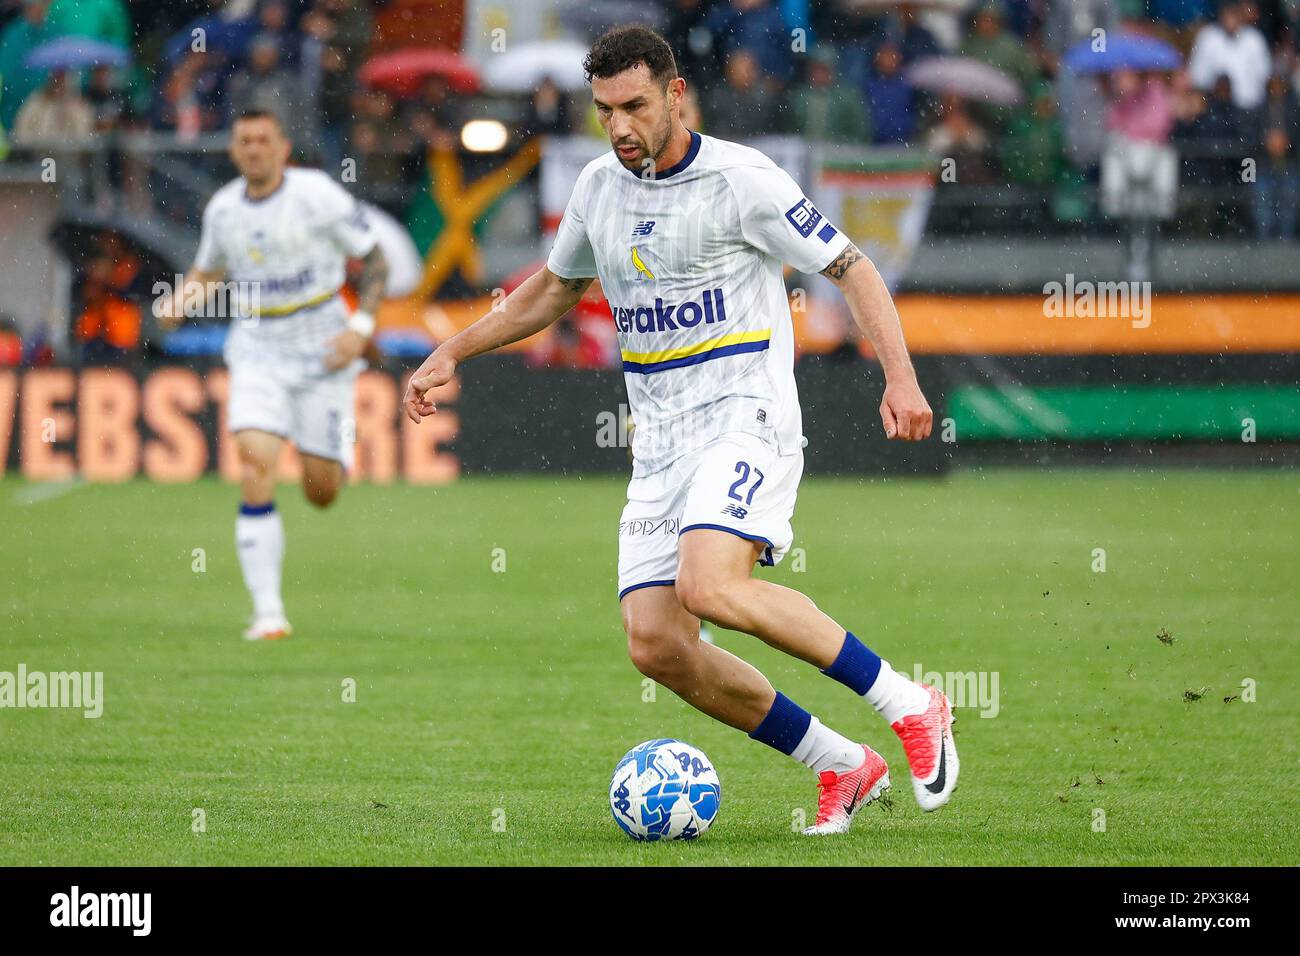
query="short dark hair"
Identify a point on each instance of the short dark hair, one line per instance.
(624, 47)
(256, 114)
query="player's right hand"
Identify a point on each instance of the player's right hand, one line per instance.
(437, 369)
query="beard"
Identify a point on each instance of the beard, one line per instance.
(651, 150)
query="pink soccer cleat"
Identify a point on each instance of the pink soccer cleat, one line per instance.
(843, 794)
(931, 751)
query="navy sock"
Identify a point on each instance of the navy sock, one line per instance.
(784, 726)
(256, 511)
(856, 667)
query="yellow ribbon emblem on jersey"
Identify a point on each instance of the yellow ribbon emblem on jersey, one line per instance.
(640, 266)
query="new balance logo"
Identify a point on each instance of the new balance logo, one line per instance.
(643, 228)
(736, 511)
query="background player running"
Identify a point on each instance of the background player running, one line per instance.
(283, 236)
(687, 234)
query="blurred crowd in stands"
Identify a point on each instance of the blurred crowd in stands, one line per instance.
(829, 70)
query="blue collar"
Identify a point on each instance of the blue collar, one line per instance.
(691, 152)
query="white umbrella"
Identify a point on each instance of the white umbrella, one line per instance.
(520, 69)
(405, 266)
(965, 77)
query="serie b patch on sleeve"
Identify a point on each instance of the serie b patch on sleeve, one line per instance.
(804, 216)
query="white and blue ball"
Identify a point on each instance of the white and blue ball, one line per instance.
(664, 790)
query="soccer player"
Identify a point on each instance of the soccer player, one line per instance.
(277, 239)
(687, 234)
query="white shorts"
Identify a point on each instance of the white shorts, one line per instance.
(737, 483)
(314, 411)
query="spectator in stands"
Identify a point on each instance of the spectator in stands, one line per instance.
(741, 108)
(1209, 133)
(1024, 18)
(11, 343)
(1289, 44)
(1033, 149)
(1141, 107)
(855, 30)
(434, 115)
(1080, 101)
(1234, 48)
(891, 98)
(914, 39)
(959, 136)
(548, 111)
(1181, 14)
(1276, 135)
(687, 32)
(54, 114)
(108, 325)
(757, 27)
(336, 42)
(989, 42)
(273, 24)
(570, 343)
(267, 84)
(824, 111)
(189, 100)
(106, 99)
(19, 38)
(383, 146)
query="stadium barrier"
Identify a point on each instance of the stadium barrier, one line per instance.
(166, 424)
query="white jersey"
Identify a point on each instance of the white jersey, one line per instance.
(290, 249)
(690, 262)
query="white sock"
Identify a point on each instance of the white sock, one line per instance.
(824, 749)
(259, 538)
(895, 695)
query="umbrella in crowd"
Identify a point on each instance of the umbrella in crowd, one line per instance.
(520, 69)
(1125, 51)
(593, 19)
(75, 53)
(403, 71)
(210, 34)
(965, 77)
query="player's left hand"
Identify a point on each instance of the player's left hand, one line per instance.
(345, 348)
(905, 412)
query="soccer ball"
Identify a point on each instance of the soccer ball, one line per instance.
(664, 790)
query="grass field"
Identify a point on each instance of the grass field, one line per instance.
(491, 707)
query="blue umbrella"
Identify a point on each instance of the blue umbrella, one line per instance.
(218, 36)
(1123, 51)
(75, 53)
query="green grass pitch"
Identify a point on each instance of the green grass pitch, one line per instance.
(492, 705)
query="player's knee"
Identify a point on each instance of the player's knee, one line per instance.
(655, 654)
(707, 596)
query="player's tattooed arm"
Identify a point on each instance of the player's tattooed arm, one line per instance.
(843, 261)
(578, 285)
(373, 281)
(903, 410)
